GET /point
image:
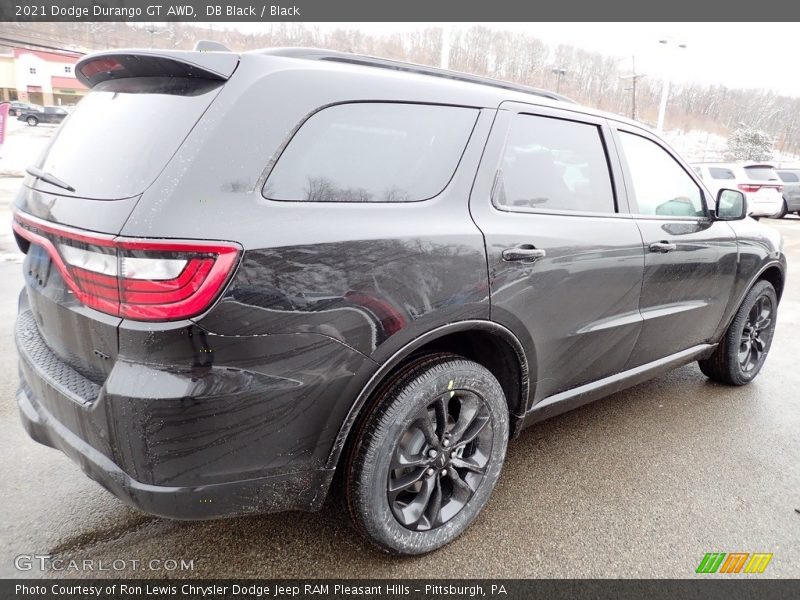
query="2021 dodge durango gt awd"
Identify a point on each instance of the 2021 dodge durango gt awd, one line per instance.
(386, 274)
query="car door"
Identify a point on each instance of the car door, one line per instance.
(565, 259)
(690, 259)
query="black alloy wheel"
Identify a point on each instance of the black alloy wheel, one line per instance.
(440, 460)
(426, 455)
(756, 333)
(743, 349)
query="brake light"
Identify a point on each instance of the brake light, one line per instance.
(140, 279)
(749, 188)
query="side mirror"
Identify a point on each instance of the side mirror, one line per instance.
(731, 205)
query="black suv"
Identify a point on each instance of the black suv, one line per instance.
(383, 272)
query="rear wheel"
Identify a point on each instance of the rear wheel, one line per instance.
(427, 457)
(742, 351)
(32, 121)
(782, 212)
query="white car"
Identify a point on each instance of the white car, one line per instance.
(760, 183)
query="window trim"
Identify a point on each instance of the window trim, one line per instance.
(262, 181)
(574, 117)
(619, 127)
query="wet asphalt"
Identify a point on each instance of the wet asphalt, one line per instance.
(640, 484)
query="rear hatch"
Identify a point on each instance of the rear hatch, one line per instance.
(762, 181)
(81, 279)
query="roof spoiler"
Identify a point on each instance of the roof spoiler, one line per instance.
(121, 64)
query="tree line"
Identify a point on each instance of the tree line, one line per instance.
(591, 78)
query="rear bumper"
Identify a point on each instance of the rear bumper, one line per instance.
(290, 491)
(208, 442)
(764, 207)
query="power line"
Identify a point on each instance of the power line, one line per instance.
(12, 43)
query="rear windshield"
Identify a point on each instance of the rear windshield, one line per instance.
(120, 136)
(761, 173)
(720, 173)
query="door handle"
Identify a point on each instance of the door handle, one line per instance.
(663, 247)
(526, 252)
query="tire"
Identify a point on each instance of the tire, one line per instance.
(32, 121)
(407, 425)
(743, 349)
(783, 211)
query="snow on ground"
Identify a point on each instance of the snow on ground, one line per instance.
(22, 146)
(702, 146)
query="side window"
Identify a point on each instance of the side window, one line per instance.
(660, 184)
(554, 164)
(372, 152)
(788, 177)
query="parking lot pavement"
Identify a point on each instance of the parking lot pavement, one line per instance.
(641, 484)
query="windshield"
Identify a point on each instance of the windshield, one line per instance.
(121, 136)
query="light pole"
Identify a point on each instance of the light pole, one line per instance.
(560, 72)
(662, 107)
(444, 58)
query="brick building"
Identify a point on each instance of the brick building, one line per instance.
(40, 77)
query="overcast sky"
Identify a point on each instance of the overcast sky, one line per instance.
(758, 55)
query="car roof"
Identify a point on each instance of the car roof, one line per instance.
(463, 87)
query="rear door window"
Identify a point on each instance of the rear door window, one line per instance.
(554, 164)
(123, 133)
(372, 152)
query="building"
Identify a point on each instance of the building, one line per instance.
(40, 77)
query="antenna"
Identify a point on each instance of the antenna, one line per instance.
(209, 46)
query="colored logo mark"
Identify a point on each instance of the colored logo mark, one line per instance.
(734, 562)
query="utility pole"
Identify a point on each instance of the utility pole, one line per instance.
(634, 77)
(560, 72)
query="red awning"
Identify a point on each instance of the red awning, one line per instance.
(69, 83)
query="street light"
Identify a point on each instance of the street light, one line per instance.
(662, 108)
(560, 72)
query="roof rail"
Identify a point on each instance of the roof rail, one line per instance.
(385, 63)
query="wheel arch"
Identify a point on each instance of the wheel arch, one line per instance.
(486, 342)
(773, 272)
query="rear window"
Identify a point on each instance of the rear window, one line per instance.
(788, 176)
(372, 152)
(123, 133)
(761, 173)
(720, 173)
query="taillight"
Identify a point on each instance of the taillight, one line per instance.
(749, 188)
(141, 279)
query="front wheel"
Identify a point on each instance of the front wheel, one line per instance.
(427, 457)
(742, 351)
(32, 121)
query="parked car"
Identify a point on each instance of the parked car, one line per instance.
(791, 190)
(49, 114)
(760, 183)
(17, 107)
(219, 318)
